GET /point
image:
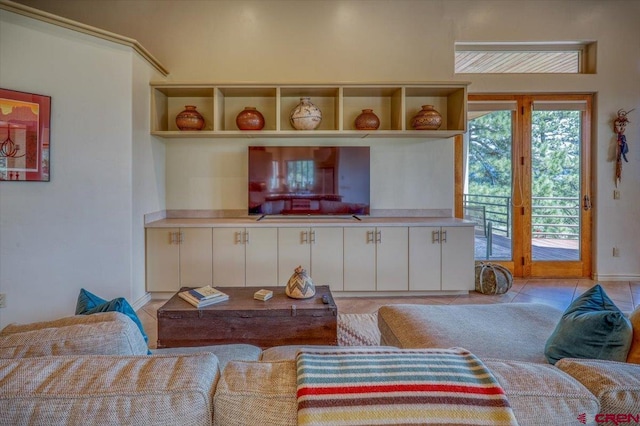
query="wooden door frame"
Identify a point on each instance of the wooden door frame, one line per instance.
(523, 265)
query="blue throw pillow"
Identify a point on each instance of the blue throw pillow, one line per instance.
(592, 327)
(89, 303)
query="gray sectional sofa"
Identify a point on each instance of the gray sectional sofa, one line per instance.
(95, 370)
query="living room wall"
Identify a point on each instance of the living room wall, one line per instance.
(84, 228)
(400, 40)
(73, 226)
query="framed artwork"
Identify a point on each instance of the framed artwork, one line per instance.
(25, 128)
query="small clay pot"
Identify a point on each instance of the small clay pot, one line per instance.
(427, 119)
(250, 119)
(367, 120)
(305, 116)
(190, 119)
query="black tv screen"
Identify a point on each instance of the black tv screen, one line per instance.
(309, 180)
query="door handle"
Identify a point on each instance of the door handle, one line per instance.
(587, 203)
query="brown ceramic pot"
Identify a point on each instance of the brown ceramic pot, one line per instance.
(190, 119)
(367, 120)
(427, 119)
(250, 119)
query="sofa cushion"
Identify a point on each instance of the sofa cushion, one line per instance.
(541, 394)
(592, 327)
(129, 390)
(615, 384)
(257, 393)
(523, 328)
(109, 333)
(224, 353)
(88, 303)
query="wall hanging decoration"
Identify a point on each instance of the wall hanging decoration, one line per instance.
(250, 119)
(24, 136)
(300, 285)
(622, 149)
(190, 119)
(367, 120)
(305, 116)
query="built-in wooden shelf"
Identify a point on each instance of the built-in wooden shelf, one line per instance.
(394, 104)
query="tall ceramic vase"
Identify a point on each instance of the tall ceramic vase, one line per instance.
(190, 119)
(305, 116)
(427, 119)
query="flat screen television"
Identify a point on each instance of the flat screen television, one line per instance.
(309, 180)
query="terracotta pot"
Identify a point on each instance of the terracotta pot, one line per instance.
(250, 119)
(305, 116)
(367, 120)
(190, 119)
(427, 119)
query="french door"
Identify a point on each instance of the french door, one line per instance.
(524, 178)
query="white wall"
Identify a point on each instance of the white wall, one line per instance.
(380, 40)
(76, 230)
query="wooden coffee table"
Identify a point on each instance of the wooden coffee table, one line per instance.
(243, 319)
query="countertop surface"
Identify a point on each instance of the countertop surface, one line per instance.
(306, 221)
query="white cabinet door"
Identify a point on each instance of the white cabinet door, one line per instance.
(163, 259)
(196, 259)
(261, 251)
(293, 250)
(359, 259)
(228, 257)
(327, 257)
(424, 258)
(458, 258)
(392, 258)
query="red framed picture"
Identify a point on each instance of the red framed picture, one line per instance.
(25, 128)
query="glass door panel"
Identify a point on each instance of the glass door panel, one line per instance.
(489, 179)
(555, 184)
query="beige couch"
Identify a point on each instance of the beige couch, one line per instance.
(94, 370)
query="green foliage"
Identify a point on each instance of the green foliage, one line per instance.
(555, 159)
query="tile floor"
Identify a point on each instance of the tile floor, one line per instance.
(555, 292)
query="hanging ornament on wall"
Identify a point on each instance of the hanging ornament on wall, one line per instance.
(622, 149)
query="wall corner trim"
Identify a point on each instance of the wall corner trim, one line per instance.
(86, 29)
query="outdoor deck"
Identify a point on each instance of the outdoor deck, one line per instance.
(543, 249)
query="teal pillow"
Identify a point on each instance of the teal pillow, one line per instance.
(88, 303)
(592, 327)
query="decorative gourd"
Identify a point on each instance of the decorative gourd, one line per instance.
(300, 285)
(492, 278)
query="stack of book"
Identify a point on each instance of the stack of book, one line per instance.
(203, 296)
(263, 295)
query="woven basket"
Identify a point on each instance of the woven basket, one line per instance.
(492, 278)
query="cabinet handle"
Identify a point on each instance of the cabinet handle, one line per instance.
(369, 237)
(181, 237)
(172, 237)
(435, 237)
(237, 237)
(246, 237)
(378, 236)
(304, 238)
(313, 237)
(444, 237)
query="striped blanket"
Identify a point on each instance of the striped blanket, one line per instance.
(398, 387)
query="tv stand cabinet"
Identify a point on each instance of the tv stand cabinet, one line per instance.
(371, 256)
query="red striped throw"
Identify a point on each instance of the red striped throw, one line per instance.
(398, 387)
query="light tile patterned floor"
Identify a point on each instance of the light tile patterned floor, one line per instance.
(556, 292)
